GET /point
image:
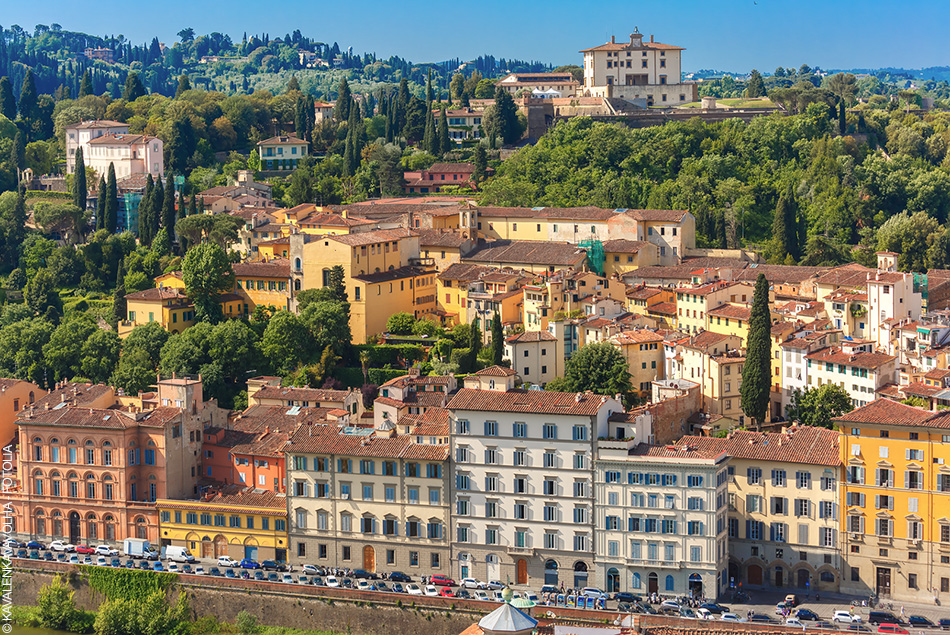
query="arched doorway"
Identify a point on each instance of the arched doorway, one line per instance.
(464, 566)
(804, 579)
(207, 547)
(220, 546)
(75, 528)
(653, 583)
(369, 559)
(696, 585)
(779, 577)
(250, 549)
(580, 575)
(754, 574)
(521, 572)
(550, 573)
(613, 580)
(494, 567)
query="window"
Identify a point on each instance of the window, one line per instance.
(778, 478)
(580, 433)
(550, 459)
(549, 431)
(491, 428)
(754, 475)
(803, 479)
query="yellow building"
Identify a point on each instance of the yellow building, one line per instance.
(452, 291)
(622, 255)
(895, 501)
(170, 307)
(693, 303)
(713, 360)
(643, 351)
(641, 298)
(264, 282)
(15, 394)
(235, 522)
(780, 332)
(730, 319)
(445, 247)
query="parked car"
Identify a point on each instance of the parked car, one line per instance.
(362, 585)
(532, 596)
(783, 607)
(413, 589)
(215, 571)
(83, 549)
(58, 545)
(273, 576)
(271, 565)
(431, 590)
(845, 617)
(186, 568)
(761, 617)
(115, 563)
(13, 543)
(199, 570)
(883, 617)
(624, 596)
(594, 592)
(665, 605)
(828, 626)
(891, 629)
(442, 580)
(229, 573)
(247, 563)
(260, 575)
(304, 579)
(791, 600)
(730, 617)
(704, 614)
(858, 628)
(332, 581)
(227, 561)
(101, 561)
(399, 576)
(715, 609)
(794, 621)
(920, 621)
(446, 592)
(287, 578)
(346, 583)
(309, 569)
(363, 574)
(687, 613)
(398, 588)
(157, 566)
(480, 595)
(944, 623)
(470, 583)
(463, 593)
(806, 615)
(549, 588)
(173, 568)
(38, 545)
(493, 585)
(105, 550)
(144, 565)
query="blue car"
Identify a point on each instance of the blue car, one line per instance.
(229, 573)
(247, 563)
(35, 545)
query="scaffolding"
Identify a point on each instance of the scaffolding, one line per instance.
(595, 255)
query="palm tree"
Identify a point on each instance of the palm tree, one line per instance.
(364, 362)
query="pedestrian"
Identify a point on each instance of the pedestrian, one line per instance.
(902, 612)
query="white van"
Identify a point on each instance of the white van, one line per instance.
(178, 554)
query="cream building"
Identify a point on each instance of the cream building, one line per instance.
(78, 135)
(523, 488)
(368, 498)
(714, 361)
(693, 304)
(661, 518)
(645, 72)
(643, 351)
(537, 356)
(854, 367)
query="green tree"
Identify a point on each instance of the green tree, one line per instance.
(909, 235)
(481, 164)
(40, 294)
(430, 139)
(7, 100)
(183, 85)
(149, 338)
(497, 340)
(80, 190)
(341, 112)
(101, 204)
(286, 342)
(400, 324)
(755, 87)
(63, 352)
(112, 202)
(329, 325)
(100, 355)
(599, 368)
(445, 141)
(168, 206)
(181, 144)
(133, 87)
(57, 605)
(135, 371)
(785, 226)
(757, 370)
(18, 152)
(28, 105)
(85, 87)
(818, 406)
(509, 127)
(207, 272)
(119, 305)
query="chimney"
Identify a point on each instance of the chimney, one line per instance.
(577, 398)
(651, 38)
(613, 39)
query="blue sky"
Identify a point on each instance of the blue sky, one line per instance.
(729, 35)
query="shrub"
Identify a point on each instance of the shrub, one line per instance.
(247, 623)
(57, 605)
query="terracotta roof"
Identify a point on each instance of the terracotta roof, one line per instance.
(706, 340)
(780, 274)
(73, 393)
(529, 252)
(464, 272)
(588, 212)
(834, 355)
(531, 336)
(409, 271)
(887, 277)
(420, 380)
(919, 389)
(638, 336)
(317, 439)
(888, 412)
(849, 275)
(938, 373)
(683, 449)
(623, 46)
(801, 444)
(74, 416)
(624, 246)
(158, 294)
(441, 238)
(266, 443)
(495, 371)
(732, 311)
(233, 496)
(438, 168)
(276, 268)
(120, 139)
(310, 395)
(281, 140)
(333, 220)
(97, 123)
(709, 287)
(643, 293)
(663, 308)
(657, 215)
(370, 237)
(533, 401)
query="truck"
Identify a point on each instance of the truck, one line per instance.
(178, 554)
(139, 548)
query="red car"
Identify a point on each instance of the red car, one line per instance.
(446, 592)
(892, 629)
(84, 549)
(442, 580)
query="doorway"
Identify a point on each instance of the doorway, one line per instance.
(613, 580)
(550, 573)
(803, 578)
(653, 583)
(521, 572)
(580, 575)
(369, 559)
(696, 585)
(220, 546)
(463, 566)
(494, 567)
(779, 577)
(207, 548)
(250, 552)
(883, 582)
(75, 531)
(754, 574)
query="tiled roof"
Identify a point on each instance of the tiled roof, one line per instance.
(528, 252)
(663, 308)
(317, 439)
(644, 293)
(657, 215)
(888, 412)
(464, 272)
(732, 311)
(706, 340)
(281, 140)
(276, 268)
(888, 277)
(681, 450)
(310, 395)
(266, 443)
(588, 212)
(409, 271)
(495, 371)
(834, 355)
(780, 274)
(623, 46)
(439, 168)
(531, 336)
(638, 336)
(158, 294)
(233, 496)
(370, 237)
(97, 123)
(534, 401)
(624, 246)
(919, 389)
(849, 275)
(120, 139)
(708, 288)
(81, 417)
(801, 444)
(441, 238)
(73, 393)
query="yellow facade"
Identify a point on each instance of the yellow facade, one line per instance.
(175, 314)
(729, 320)
(495, 224)
(453, 300)
(895, 501)
(643, 352)
(693, 304)
(211, 529)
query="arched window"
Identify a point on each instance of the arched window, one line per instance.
(141, 528)
(297, 264)
(37, 449)
(92, 527)
(55, 483)
(73, 481)
(57, 523)
(670, 585)
(108, 491)
(109, 522)
(90, 453)
(38, 482)
(73, 451)
(90, 486)
(297, 284)
(39, 522)
(32, 397)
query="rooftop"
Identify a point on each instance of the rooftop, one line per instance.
(528, 252)
(528, 401)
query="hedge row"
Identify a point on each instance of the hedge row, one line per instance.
(381, 355)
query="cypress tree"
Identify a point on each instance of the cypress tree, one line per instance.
(119, 305)
(28, 101)
(18, 153)
(7, 100)
(183, 85)
(193, 205)
(497, 340)
(79, 182)
(430, 142)
(157, 209)
(757, 371)
(300, 118)
(133, 88)
(182, 210)
(17, 230)
(480, 162)
(112, 203)
(342, 110)
(445, 142)
(779, 230)
(101, 204)
(429, 94)
(785, 226)
(842, 118)
(145, 212)
(168, 207)
(85, 87)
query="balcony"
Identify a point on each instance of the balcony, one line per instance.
(519, 551)
(616, 444)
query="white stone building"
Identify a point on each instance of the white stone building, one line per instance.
(854, 367)
(130, 153)
(78, 135)
(523, 487)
